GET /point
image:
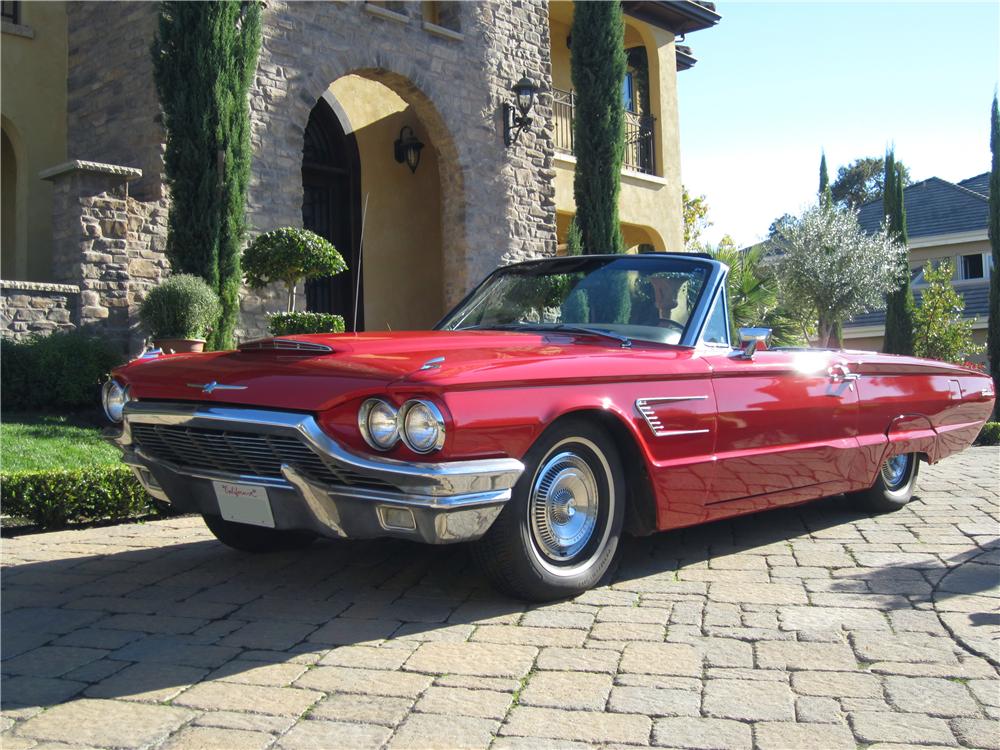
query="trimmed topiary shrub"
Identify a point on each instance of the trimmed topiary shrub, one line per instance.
(61, 371)
(287, 323)
(182, 307)
(289, 256)
(55, 498)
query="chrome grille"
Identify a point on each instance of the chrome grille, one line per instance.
(236, 452)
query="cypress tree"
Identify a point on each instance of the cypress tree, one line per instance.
(204, 61)
(899, 304)
(598, 69)
(825, 195)
(993, 334)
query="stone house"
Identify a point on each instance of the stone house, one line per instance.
(944, 221)
(338, 85)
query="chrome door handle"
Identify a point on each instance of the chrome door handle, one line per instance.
(842, 374)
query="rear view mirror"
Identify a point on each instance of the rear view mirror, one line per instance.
(752, 339)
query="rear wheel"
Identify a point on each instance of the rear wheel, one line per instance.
(894, 485)
(248, 538)
(559, 533)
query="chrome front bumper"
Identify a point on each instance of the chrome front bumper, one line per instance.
(432, 502)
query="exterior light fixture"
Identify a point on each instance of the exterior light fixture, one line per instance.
(407, 148)
(516, 120)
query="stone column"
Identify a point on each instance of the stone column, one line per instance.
(106, 243)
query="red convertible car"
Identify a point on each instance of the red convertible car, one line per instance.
(564, 402)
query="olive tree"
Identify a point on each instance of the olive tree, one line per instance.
(828, 264)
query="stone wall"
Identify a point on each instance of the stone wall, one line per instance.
(113, 113)
(497, 203)
(29, 307)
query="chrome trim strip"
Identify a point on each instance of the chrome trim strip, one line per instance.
(216, 386)
(469, 477)
(644, 405)
(674, 433)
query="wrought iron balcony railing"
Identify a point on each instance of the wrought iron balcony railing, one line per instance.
(639, 151)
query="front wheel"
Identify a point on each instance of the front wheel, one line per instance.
(247, 538)
(894, 485)
(559, 533)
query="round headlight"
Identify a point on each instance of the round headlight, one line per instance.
(114, 397)
(377, 422)
(423, 426)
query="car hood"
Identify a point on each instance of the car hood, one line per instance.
(369, 363)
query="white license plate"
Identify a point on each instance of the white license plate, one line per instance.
(244, 503)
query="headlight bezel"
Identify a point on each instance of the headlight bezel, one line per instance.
(364, 413)
(115, 412)
(436, 416)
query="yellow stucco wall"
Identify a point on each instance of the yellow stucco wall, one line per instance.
(649, 204)
(402, 263)
(920, 255)
(33, 104)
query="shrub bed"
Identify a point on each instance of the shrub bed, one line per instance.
(51, 499)
(62, 371)
(288, 323)
(990, 434)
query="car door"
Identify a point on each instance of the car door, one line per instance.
(785, 420)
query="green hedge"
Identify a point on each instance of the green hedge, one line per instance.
(990, 434)
(288, 323)
(51, 499)
(59, 372)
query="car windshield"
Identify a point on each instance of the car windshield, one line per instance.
(641, 297)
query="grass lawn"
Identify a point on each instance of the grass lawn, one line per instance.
(35, 443)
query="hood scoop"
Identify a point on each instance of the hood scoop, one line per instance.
(285, 346)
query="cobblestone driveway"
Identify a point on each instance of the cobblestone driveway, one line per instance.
(803, 628)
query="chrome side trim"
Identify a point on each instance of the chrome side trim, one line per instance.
(446, 479)
(645, 407)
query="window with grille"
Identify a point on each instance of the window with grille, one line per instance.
(11, 11)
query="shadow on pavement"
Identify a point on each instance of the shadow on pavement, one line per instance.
(142, 621)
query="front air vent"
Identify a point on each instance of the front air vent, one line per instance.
(285, 345)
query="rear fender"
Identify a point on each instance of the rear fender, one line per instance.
(911, 433)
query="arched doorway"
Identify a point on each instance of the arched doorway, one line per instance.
(349, 163)
(8, 197)
(331, 207)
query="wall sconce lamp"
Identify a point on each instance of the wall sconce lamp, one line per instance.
(514, 121)
(407, 148)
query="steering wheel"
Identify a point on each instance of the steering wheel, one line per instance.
(668, 323)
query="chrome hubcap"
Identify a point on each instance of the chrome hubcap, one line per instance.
(894, 470)
(563, 507)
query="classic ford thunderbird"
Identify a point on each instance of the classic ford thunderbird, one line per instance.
(563, 403)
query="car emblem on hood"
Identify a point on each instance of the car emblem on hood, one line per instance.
(215, 386)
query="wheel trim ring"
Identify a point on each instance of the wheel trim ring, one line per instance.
(606, 514)
(894, 471)
(564, 506)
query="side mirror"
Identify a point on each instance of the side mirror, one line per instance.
(752, 338)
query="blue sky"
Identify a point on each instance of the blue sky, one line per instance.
(776, 83)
